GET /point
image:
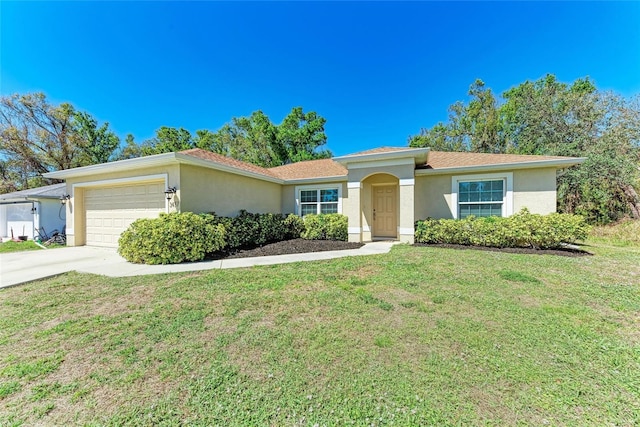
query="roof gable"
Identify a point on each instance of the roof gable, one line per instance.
(227, 161)
(47, 192)
(451, 159)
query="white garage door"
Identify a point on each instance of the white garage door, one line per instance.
(109, 211)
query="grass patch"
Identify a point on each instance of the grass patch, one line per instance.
(624, 233)
(11, 246)
(419, 336)
(516, 276)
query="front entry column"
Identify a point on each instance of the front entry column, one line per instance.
(353, 210)
(407, 212)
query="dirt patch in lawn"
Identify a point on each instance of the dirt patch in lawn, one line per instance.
(570, 252)
(294, 246)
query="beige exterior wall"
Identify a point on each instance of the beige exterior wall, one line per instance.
(433, 197)
(288, 204)
(535, 189)
(208, 190)
(76, 218)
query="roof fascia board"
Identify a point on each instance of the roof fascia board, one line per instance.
(324, 179)
(558, 164)
(137, 163)
(195, 161)
(382, 163)
(418, 154)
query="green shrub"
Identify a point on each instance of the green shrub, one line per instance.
(170, 239)
(294, 226)
(325, 227)
(523, 229)
(254, 229)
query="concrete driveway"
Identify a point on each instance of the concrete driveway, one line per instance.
(22, 267)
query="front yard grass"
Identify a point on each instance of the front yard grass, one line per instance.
(419, 336)
(11, 246)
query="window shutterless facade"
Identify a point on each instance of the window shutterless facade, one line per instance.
(482, 195)
(480, 198)
(318, 200)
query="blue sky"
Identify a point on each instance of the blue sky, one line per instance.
(377, 71)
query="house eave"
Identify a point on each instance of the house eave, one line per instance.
(190, 160)
(419, 155)
(557, 164)
(117, 166)
(324, 179)
(151, 161)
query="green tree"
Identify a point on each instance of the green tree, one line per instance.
(301, 137)
(131, 149)
(548, 117)
(255, 139)
(37, 137)
(97, 143)
(167, 140)
(471, 127)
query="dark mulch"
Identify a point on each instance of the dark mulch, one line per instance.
(295, 246)
(570, 252)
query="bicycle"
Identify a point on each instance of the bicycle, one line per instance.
(57, 238)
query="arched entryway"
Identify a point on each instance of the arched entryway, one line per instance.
(381, 207)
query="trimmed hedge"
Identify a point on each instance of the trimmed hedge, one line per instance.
(253, 229)
(325, 227)
(170, 239)
(523, 229)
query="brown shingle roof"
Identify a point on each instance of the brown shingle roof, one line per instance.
(310, 169)
(227, 161)
(443, 159)
(382, 150)
(328, 167)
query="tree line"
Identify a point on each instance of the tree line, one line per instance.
(549, 117)
(544, 117)
(38, 137)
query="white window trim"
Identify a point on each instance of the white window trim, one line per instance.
(300, 188)
(507, 177)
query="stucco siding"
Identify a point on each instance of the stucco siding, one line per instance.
(288, 204)
(76, 215)
(208, 190)
(433, 197)
(535, 189)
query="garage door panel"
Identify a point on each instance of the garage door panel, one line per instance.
(110, 210)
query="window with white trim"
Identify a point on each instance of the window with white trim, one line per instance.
(482, 195)
(480, 198)
(318, 199)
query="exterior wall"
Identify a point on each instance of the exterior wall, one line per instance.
(18, 216)
(75, 211)
(49, 215)
(535, 189)
(433, 197)
(288, 204)
(208, 190)
(360, 211)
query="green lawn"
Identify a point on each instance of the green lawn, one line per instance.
(10, 246)
(420, 336)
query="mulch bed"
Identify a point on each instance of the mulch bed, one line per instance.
(570, 252)
(295, 246)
